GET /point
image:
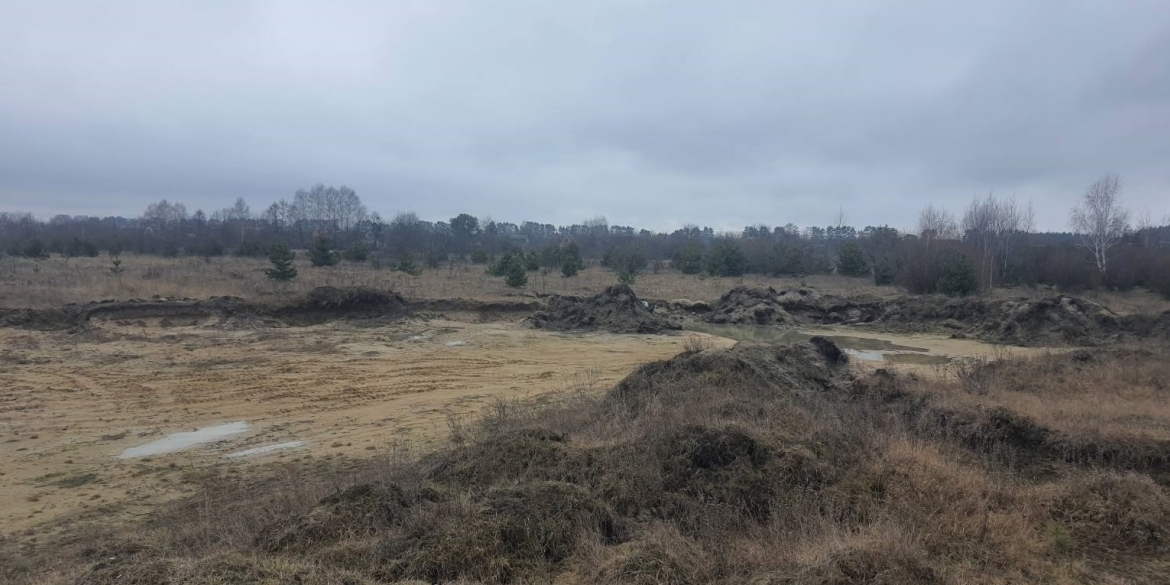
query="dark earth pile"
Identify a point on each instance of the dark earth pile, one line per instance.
(320, 305)
(751, 305)
(617, 309)
(709, 467)
(1056, 320)
(327, 303)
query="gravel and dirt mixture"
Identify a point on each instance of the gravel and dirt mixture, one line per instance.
(616, 309)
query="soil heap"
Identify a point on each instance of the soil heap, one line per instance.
(752, 305)
(318, 306)
(617, 309)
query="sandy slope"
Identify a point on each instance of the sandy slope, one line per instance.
(69, 405)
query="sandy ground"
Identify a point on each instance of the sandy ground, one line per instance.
(71, 404)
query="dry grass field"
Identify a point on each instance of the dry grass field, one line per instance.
(751, 465)
(478, 449)
(56, 281)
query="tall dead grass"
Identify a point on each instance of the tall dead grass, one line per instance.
(56, 281)
(755, 464)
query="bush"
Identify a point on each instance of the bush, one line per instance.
(884, 272)
(209, 249)
(500, 267)
(34, 248)
(689, 258)
(958, 277)
(250, 249)
(479, 257)
(358, 252)
(726, 258)
(79, 247)
(1160, 277)
(281, 258)
(624, 259)
(787, 260)
(851, 260)
(321, 253)
(408, 265)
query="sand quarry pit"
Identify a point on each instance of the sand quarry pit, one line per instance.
(110, 422)
(110, 409)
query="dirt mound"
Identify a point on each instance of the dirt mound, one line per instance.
(1054, 320)
(751, 305)
(766, 368)
(513, 455)
(359, 510)
(617, 309)
(1154, 327)
(725, 466)
(509, 533)
(829, 350)
(217, 570)
(1111, 511)
(327, 303)
(1057, 320)
(318, 306)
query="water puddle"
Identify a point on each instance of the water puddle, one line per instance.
(185, 440)
(267, 449)
(456, 343)
(863, 348)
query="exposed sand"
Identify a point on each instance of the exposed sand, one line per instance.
(70, 405)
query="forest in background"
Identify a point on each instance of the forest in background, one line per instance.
(993, 243)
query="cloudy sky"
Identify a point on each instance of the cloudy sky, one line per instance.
(653, 113)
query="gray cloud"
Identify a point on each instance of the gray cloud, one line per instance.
(653, 113)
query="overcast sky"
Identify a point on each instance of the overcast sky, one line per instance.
(651, 113)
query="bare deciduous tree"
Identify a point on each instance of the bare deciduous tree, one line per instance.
(840, 217)
(1100, 220)
(936, 223)
(994, 226)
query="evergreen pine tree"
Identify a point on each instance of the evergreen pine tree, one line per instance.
(958, 277)
(689, 258)
(851, 260)
(571, 262)
(321, 254)
(281, 258)
(515, 272)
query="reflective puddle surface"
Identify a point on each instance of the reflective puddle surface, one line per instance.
(863, 348)
(185, 440)
(267, 449)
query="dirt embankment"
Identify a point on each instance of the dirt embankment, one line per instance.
(616, 309)
(673, 476)
(482, 310)
(320, 305)
(1056, 320)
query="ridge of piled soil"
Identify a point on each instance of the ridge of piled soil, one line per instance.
(699, 460)
(616, 309)
(1056, 320)
(319, 305)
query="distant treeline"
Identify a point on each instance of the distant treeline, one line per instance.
(992, 245)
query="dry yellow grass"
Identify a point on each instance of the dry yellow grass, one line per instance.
(56, 281)
(856, 495)
(1122, 395)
